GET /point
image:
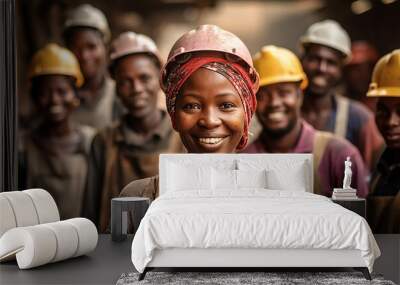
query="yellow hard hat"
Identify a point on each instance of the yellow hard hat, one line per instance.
(54, 59)
(386, 76)
(275, 65)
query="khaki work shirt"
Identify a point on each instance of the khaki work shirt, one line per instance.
(120, 155)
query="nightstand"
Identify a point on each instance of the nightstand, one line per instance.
(357, 205)
(119, 215)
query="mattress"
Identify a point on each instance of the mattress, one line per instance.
(251, 219)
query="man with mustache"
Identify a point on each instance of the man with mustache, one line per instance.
(384, 200)
(279, 100)
(86, 34)
(326, 48)
(129, 149)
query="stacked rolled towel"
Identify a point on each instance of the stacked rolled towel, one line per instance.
(41, 244)
(31, 231)
(26, 208)
(344, 194)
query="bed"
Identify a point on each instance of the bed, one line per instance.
(245, 211)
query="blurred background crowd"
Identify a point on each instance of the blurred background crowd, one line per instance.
(85, 139)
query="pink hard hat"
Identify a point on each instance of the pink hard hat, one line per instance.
(209, 38)
(131, 43)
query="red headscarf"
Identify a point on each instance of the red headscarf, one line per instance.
(232, 71)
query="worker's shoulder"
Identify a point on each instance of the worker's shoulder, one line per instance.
(359, 112)
(138, 187)
(338, 145)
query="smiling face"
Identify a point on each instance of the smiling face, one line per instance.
(55, 97)
(387, 119)
(137, 82)
(323, 67)
(88, 46)
(278, 108)
(209, 114)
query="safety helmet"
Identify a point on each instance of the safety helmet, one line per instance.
(361, 52)
(386, 76)
(328, 33)
(276, 65)
(131, 43)
(53, 59)
(88, 16)
(210, 38)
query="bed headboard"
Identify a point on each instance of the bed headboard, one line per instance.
(238, 161)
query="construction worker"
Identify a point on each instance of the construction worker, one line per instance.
(210, 85)
(129, 149)
(53, 156)
(326, 48)
(358, 71)
(279, 99)
(384, 199)
(86, 34)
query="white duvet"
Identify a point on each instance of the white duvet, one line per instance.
(253, 218)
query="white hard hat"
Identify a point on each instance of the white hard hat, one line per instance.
(88, 16)
(328, 33)
(132, 43)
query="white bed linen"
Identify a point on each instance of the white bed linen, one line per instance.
(252, 218)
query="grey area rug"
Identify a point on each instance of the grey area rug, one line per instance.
(229, 278)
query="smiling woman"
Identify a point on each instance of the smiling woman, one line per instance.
(231, 72)
(210, 86)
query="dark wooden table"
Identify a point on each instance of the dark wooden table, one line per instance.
(357, 205)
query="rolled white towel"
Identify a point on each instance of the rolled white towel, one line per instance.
(7, 218)
(33, 246)
(87, 234)
(45, 205)
(23, 208)
(67, 240)
(40, 244)
(26, 208)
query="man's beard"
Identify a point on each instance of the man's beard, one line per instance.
(279, 133)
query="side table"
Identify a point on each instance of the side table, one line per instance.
(119, 215)
(357, 205)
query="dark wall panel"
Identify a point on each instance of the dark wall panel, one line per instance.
(8, 98)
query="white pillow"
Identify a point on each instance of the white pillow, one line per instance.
(293, 179)
(184, 177)
(251, 179)
(224, 179)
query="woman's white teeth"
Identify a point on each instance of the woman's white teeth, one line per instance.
(210, 140)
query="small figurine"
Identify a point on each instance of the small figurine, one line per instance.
(347, 174)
